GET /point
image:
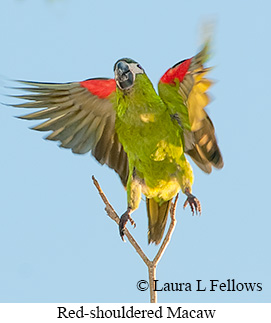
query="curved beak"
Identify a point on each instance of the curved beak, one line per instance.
(123, 75)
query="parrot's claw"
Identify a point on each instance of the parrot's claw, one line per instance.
(193, 202)
(123, 221)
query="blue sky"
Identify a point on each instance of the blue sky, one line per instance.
(56, 242)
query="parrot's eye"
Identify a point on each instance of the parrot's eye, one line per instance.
(139, 66)
(123, 75)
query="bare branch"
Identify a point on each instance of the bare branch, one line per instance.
(150, 264)
(152, 278)
(169, 232)
(113, 215)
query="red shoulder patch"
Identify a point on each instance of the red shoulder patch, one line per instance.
(100, 87)
(178, 72)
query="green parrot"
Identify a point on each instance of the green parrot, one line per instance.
(142, 135)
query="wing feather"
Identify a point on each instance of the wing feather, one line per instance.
(183, 88)
(81, 120)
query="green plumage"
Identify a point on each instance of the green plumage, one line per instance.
(153, 142)
(143, 136)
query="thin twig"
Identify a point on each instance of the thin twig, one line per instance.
(169, 232)
(152, 268)
(150, 264)
(113, 215)
(152, 278)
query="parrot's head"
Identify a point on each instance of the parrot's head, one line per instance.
(126, 70)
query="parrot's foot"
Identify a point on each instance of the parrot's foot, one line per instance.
(193, 202)
(123, 221)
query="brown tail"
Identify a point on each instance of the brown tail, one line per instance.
(157, 215)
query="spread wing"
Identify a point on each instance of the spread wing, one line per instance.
(183, 88)
(81, 116)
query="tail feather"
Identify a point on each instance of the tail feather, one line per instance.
(157, 215)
